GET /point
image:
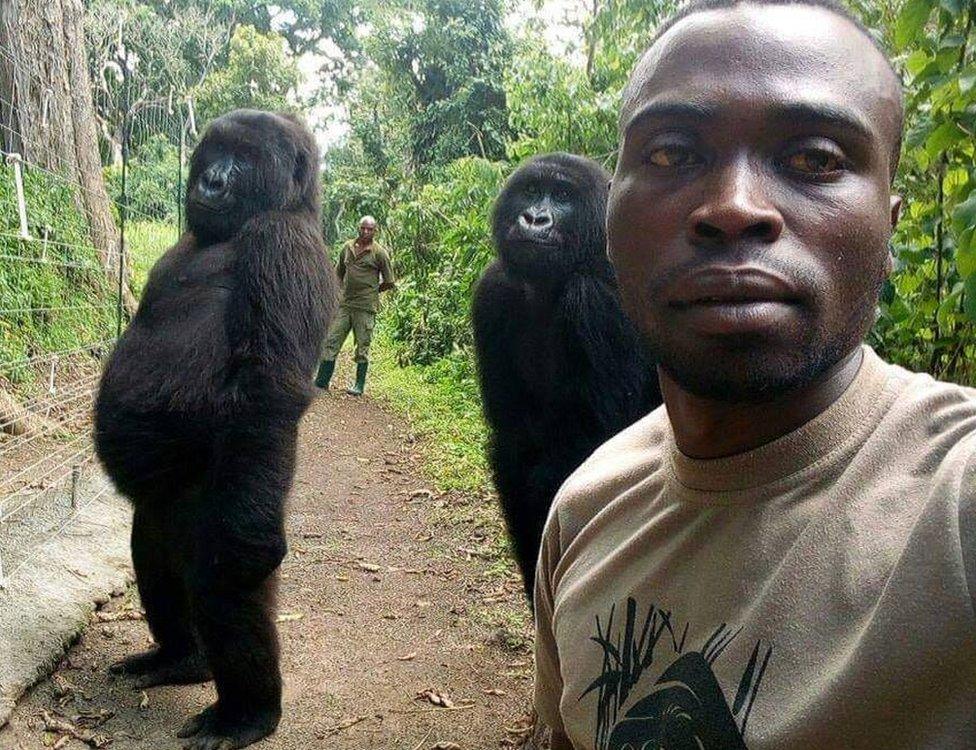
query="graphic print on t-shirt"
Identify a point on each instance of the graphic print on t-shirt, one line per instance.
(686, 706)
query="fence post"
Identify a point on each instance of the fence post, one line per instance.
(123, 203)
(179, 175)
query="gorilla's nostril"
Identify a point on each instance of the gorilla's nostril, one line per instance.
(214, 181)
(536, 219)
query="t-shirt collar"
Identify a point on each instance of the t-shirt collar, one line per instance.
(853, 411)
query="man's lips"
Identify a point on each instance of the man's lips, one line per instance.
(730, 285)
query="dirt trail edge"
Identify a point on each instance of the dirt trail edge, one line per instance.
(382, 616)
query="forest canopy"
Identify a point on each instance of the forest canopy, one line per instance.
(424, 106)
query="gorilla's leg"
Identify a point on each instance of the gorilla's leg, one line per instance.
(240, 543)
(237, 628)
(176, 660)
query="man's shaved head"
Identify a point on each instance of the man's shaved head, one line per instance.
(634, 86)
(751, 207)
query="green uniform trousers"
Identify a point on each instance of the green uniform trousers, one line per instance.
(360, 322)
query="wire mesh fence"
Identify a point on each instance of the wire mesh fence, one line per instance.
(65, 286)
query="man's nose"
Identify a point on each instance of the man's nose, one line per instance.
(735, 207)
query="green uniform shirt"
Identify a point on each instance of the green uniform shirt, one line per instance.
(360, 275)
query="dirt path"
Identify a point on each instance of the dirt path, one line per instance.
(381, 600)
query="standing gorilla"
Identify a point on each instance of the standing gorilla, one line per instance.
(197, 415)
(561, 368)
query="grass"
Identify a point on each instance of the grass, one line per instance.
(442, 407)
(146, 241)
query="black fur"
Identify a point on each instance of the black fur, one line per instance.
(561, 368)
(197, 415)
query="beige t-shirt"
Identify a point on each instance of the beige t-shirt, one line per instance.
(815, 593)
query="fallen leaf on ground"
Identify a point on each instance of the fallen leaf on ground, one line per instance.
(290, 616)
(408, 657)
(369, 567)
(435, 697)
(125, 614)
(60, 725)
(446, 746)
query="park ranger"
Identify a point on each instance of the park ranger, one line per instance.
(364, 271)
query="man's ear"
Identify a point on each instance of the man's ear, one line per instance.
(895, 210)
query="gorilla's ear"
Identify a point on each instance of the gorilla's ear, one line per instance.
(300, 174)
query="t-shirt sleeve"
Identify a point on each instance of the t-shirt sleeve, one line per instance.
(548, 678)
(967, 525)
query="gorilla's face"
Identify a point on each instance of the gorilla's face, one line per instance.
(550, 216)
(247, 163)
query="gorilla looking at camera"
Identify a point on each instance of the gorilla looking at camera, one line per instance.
(561, 368)
(197, 414)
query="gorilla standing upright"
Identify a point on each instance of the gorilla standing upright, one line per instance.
(561, 368)
(197, 414)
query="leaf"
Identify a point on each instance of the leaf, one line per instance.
(942, 138)
(966, 253)
(967, 79)
(911, 21)
(969, 300)
(964, 215)
(953, 6)
(435, 697)
(917, 61)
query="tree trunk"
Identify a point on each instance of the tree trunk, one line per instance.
(48, 112)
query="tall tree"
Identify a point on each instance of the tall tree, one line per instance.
(47, 104)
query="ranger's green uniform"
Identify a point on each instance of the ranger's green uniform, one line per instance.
(360, 269)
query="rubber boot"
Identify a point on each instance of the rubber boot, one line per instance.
(357, 390)
(325, 373)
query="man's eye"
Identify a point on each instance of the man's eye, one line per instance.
(671, 157)
(814, 161)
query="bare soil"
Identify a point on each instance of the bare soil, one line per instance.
(395, 631)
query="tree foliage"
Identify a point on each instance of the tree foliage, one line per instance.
(445, 97)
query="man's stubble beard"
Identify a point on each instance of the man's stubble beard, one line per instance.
(751, 369)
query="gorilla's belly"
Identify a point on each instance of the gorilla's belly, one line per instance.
(174, 355)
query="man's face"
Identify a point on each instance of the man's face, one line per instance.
(750, 211)
(366, 231)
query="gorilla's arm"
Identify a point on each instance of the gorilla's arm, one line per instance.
(498, 310)
(242, 529)
(283, 296)
(589, 309)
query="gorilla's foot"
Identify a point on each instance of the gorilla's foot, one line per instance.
(211, 730)
(159, 667)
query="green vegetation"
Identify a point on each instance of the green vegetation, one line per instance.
(54, 295)
(442, 99)
(442, 404)
(436, 213)
(145, 242)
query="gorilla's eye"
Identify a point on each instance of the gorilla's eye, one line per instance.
(561, 194)
(815, 161)
(671, 157)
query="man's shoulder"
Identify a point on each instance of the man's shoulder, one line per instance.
(941, 410)
(622, 462)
